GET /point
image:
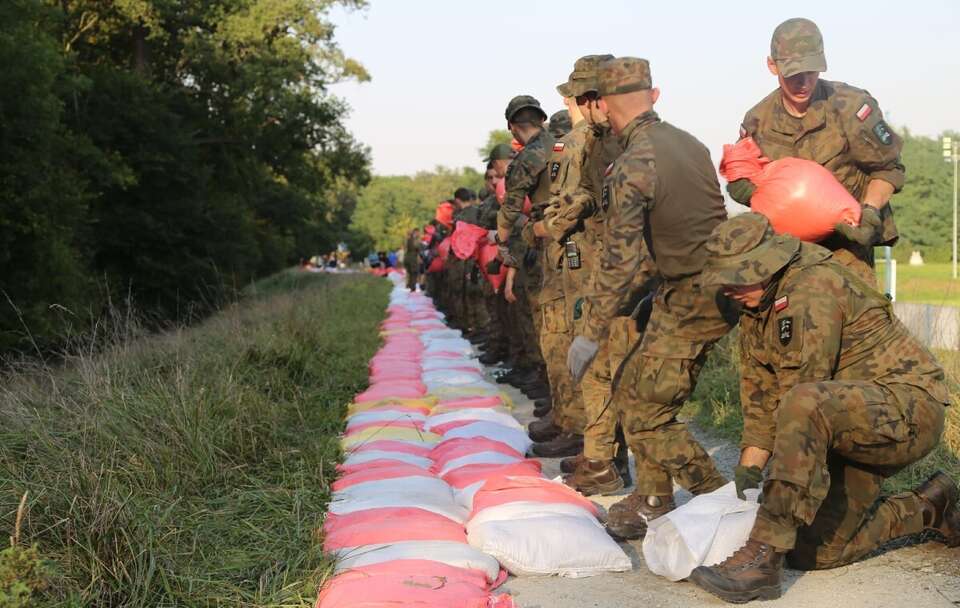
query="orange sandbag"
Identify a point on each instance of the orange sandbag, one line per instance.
(436, 265)
(505, 489)
(466, 238)
(443, 249)
(798, 196)
(444, 213)
(486, 254)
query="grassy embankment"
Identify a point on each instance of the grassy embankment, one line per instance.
(927, 284)
(190, 468)
(716, 404)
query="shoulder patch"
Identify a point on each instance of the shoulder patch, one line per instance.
(864, 112)
(554, 170)
(558, 147)
(781, 303)
(785, 330)
(883, 133)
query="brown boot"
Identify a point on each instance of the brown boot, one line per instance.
(569, 465)
(543, 430)
(595, 477)
(565, 444)
(754, 572)
(940, 511)
(627, 520)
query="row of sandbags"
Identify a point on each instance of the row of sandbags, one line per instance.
(435, 485)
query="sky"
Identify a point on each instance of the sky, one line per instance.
(443, 70)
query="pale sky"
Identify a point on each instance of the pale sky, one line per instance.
(444, 70)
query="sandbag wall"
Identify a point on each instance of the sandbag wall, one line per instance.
(435, 486)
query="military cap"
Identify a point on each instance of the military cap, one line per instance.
(559, 124)
(583, 78)
(745, 251)
(623, 75)
(500, 152)
(797, 46)
(520, 102)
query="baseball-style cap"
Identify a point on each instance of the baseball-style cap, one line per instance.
(583, 78)
(559, 124)
(797, 46)
(745, 251)
(520, 102)
(623, 75)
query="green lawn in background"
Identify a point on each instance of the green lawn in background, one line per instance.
(927, 284)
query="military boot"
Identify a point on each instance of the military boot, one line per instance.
(543, 430)
(595, 477)
(754, 572)
(627, 519)
(491, 357)
(540, 392)
(569, 465)
(542, 407)
(940, 510)
(564, 444)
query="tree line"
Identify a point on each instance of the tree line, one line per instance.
(165, 152)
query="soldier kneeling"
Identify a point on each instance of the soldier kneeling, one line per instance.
(838, 396)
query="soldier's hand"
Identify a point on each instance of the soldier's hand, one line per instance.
(508, 294)
(580, 355)
(528, 235)
(741, 190)
(747, 478)
(870, 230)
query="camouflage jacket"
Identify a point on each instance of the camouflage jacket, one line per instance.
(821, 322)
(843, 130)
(526, 176)
(661, 200)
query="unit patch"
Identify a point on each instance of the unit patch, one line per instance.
(883, 133)
(554, 170)
(785, 326)
(605, 197)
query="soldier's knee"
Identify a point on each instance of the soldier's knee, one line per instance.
(800, 402)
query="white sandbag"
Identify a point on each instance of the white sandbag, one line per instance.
(485, 414)
(515, 438)
(426, 493)
(451, 345)
(527, 509)
(570, 546)
(464, 496)
(451, 377)
(384, 416)
(368, 455)
(459, 555)
(703, 532)
(434, 363)
(440, 334)
(479, 458)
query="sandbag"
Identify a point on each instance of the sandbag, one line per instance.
(398, 389)
(400, 434)
(392, 445)
(516, 439)
(392, 471)
(368, 457)
(505, 490)
(451, 377)
(452, 404)
(459, 555)
(440, 423)
(381, 526)
(466, 238)
(430, 494)
(799, 197)
(486, 254)
(703, 532)
(432, 364)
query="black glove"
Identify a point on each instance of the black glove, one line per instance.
(493, 266)
(741, 190)
(870, 230)
(747, 478)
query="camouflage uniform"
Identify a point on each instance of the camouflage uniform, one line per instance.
(411, 260)
(663, 190)
(474, 310)
(832, 384)
(843, 130)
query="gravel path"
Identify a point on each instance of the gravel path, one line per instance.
(924, 575)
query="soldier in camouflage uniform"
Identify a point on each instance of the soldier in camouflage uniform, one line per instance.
(411, 258)
(838, 396)
(455, 269)
(663, 191)
(836, 125)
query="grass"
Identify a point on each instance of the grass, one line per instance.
(927, 284)
(716, 404)
(190, 468)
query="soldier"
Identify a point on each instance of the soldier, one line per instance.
(663, 191)
(411, 258)
(836, 125)
(837, 395)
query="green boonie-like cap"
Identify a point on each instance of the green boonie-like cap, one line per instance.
(744, 251)
(500, 152)
(583, 78)
(560, 124)
(797, 46)
(623, 75)
(520, 102)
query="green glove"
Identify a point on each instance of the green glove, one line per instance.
(747, 478)
(870, 230)
(741, 190)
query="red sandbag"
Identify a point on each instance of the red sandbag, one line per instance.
(392, 445)
(388, 525)
(464, 446)
(392, 390)
(505, 489)
(444, 213)
(464, 476)
(443, 249)
(436, 265)
(400, 469)
(470, 402)
(486, 254)
(466, 238)
(393, 424)
(798, 196)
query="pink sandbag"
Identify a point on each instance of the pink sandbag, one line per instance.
(392, 390)
(421, 583)
(470, 402)
(448, 450)
(393, 364)
(486, 254)
(399, 469)
(443, 429)
(392, 445)
(399, 408)
(388, 525)
(393, 424)
(391, 375)
(464, 476)
(504, 489)
(799, 197)
(350, 469)
(466, 238)
(443, 249)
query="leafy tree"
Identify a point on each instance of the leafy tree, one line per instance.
(497, 136)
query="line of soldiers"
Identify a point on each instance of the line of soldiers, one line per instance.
(625, 270)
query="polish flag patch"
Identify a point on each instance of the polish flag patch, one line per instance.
(781, 303)
(609, 170)
(864, 112)
(558, 147)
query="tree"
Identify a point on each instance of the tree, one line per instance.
(497, 136)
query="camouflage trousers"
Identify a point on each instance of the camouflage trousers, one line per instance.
(434, 282)
(524, 350)
(599, 435)
(412, 275)
(555, 337)
(836, 442)
(497, 321)
(455, 291)
(525, 288)
(475, 308)
(658, 377)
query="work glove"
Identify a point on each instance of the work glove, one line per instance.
(741, 190)
(870, 230)
(504, 253)
(580, 355)
(747, 478)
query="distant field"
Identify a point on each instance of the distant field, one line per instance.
(929, 284)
